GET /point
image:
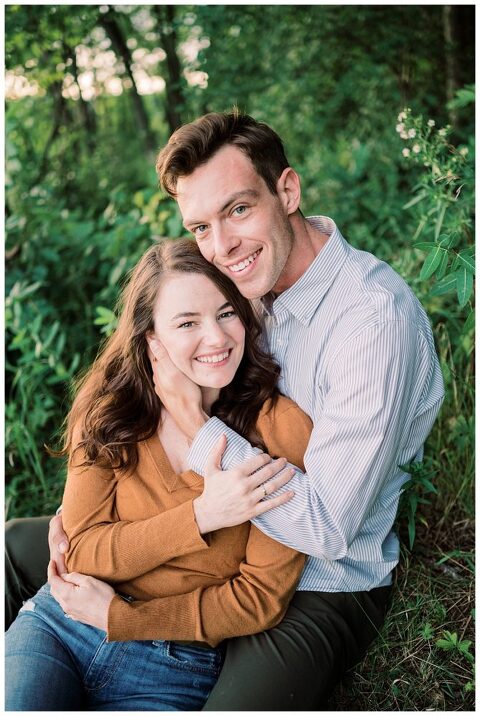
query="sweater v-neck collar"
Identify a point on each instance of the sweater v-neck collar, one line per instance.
(172, 480)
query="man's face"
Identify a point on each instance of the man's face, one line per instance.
(239, 225)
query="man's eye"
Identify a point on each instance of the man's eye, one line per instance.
(239, 210)
(198, 230)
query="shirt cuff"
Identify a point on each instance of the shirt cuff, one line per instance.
(238, 449)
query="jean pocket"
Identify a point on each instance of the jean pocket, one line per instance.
(193, 658)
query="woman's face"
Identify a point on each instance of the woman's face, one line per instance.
(199, 329)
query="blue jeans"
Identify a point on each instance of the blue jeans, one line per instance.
(53, 663)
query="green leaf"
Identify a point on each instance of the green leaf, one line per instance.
(431, 262)
(469, 323)
(464, 285)
(463, 97)
(442, 267)
(438, 225)
(415, 200)
(445, 644)
(411, 531)
(424, 245)
(467, 260)
(446, 284)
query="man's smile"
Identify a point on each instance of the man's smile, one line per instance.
(245, 264)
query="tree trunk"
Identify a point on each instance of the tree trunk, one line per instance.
(175, 102)
(113, 30)
(451, 65)
(59, 112)
(88, 114)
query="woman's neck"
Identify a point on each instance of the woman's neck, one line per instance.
(209, 396)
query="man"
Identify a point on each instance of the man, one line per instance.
(357, 355)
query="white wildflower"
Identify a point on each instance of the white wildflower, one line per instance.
(416, 148)
(431, 122)
(411, 133)
(402, 116)
(404, 135)
(400, 127)
(406, 152)
(464, 151)
(442, 132)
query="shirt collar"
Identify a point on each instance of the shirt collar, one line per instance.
(303, 298)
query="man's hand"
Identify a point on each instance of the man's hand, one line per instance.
(180, 395)
(84, 599)
(58, 543)
(231, 497)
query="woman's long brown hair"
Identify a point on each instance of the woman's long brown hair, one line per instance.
(116, 405)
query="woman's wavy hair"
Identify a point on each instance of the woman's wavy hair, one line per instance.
(116, 405)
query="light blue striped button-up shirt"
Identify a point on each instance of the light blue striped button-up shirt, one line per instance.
(357, 355)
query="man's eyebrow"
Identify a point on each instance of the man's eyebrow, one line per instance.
(252, 193)
(191, 314)
(238, 195)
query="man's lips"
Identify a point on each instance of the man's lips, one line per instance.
(241, 267)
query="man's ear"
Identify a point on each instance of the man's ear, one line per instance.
(289, 190)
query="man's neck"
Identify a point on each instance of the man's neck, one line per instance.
(307, 244)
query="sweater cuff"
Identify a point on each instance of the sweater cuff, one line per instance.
(119, 622)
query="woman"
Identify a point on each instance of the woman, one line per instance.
(129, 508)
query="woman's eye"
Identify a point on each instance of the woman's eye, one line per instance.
(187, 324)
(227, 314)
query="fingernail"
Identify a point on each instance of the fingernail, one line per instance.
(62, 547)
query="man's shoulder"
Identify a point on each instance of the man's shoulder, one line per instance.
(377, 289)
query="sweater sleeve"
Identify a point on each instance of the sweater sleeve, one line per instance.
(254, 600)
(113, 550)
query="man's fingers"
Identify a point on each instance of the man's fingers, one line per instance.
(214, 460)
(75, 578)
(56, 534)
(266, 505)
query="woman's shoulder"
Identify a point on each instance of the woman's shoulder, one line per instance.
(283, 408)
(285, 429)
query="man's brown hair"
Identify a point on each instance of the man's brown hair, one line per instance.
(195, 143)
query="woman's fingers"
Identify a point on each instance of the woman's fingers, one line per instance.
(214, 460)
(265, 505)
(273, 484)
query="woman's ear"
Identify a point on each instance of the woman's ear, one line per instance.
(289, 190)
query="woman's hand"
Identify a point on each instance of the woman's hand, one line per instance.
(82, 598)
(179, 395)
(231, 497)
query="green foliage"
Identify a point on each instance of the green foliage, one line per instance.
(413, 495)
(82, 205)
(444, 202)
(451, 642)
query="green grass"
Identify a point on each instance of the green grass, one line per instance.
(422, 659)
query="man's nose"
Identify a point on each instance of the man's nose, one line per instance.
(225, 241)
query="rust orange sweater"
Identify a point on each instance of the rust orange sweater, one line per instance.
(138, 532)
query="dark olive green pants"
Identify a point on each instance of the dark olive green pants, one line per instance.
(292, 667)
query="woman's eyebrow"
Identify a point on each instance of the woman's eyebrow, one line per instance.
(190, 314)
